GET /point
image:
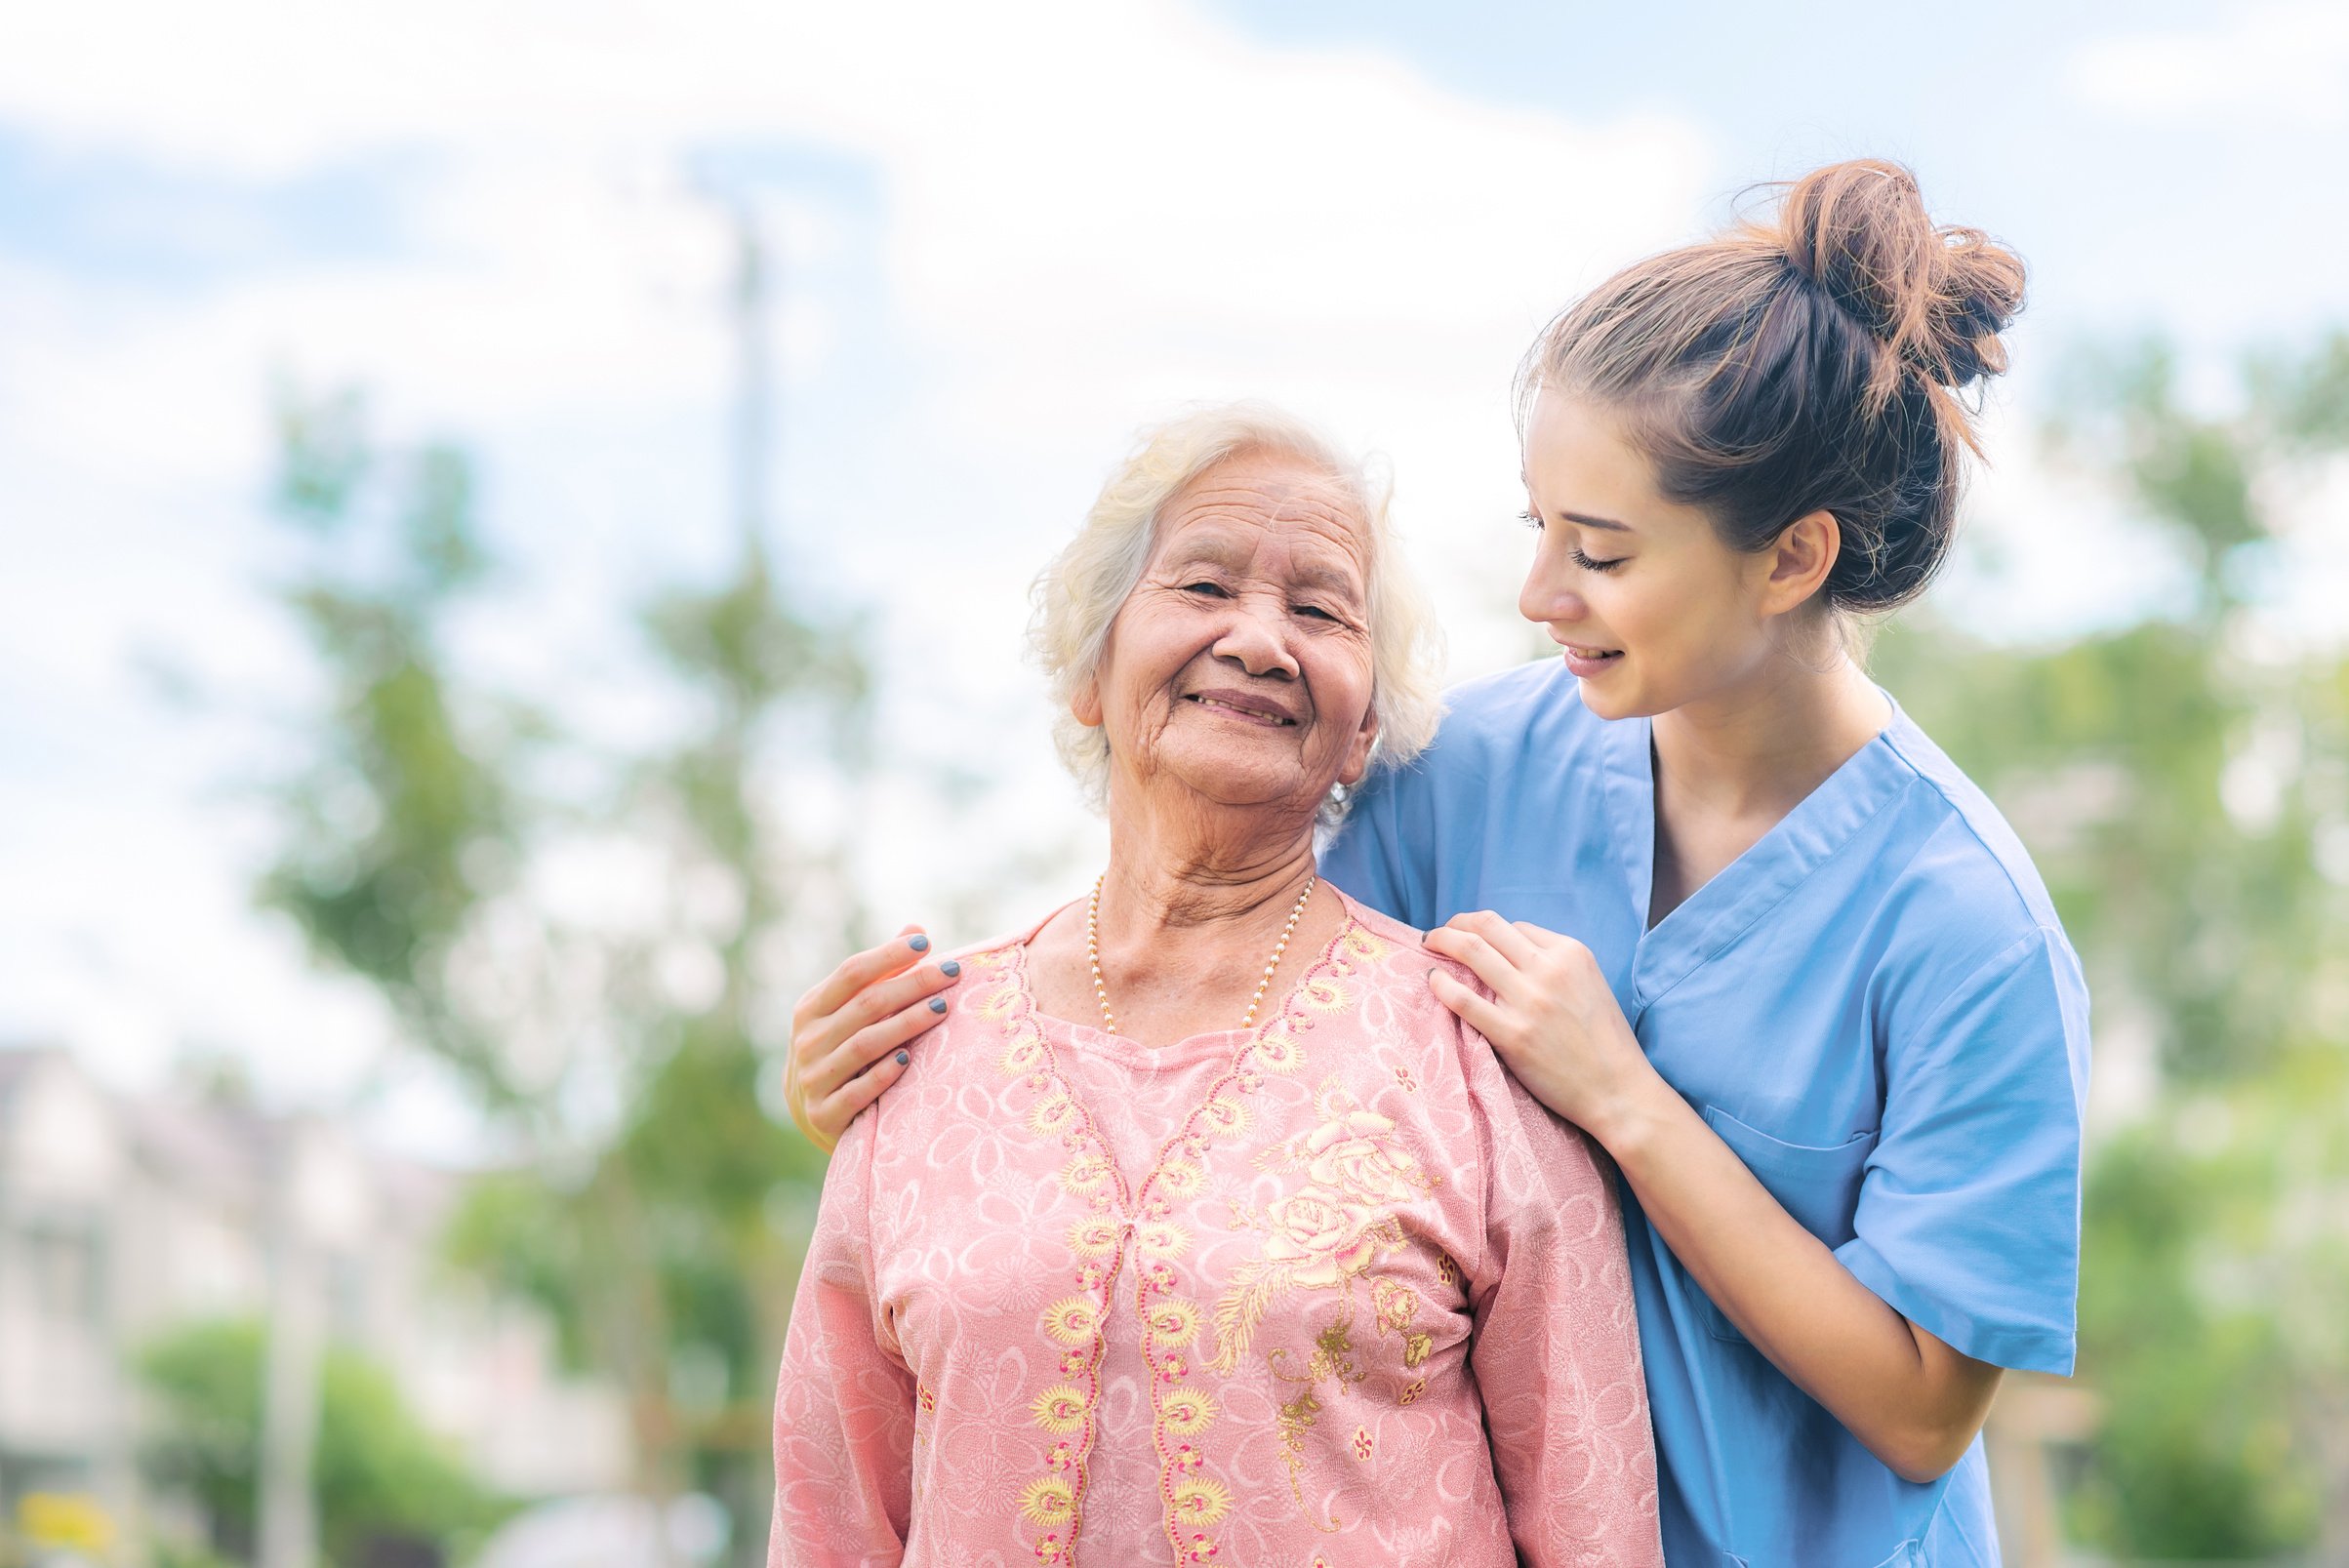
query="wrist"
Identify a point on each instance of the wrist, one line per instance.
(1625, 1121)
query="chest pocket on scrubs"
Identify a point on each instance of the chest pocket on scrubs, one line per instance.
(1820, 1186)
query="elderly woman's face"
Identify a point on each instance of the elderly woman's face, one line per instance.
(1241, 667)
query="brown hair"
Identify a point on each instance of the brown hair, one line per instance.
(1812, 361)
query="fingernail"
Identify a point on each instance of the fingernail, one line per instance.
(937, 1004)
(918, 943)
(903, 1058)
(950, 969)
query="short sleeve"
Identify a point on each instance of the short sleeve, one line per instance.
(1556, 1346)
(1382, 852)
(844, 1403)
(1968, 1215)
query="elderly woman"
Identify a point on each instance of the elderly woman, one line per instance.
(1197, 1229)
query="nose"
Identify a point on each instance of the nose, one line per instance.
(1255, 639)
(1547, 599)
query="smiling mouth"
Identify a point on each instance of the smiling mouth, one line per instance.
(1254, 715)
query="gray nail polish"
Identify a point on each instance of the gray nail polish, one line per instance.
(950, 969)
(937, 1004)
(903, 1058)
(918, 943)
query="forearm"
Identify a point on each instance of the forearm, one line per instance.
(1910, 1400)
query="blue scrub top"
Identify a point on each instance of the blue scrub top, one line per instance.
(1874, 1006)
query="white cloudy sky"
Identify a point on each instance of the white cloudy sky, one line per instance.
(1009, 234)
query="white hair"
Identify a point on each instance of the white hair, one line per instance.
(1077, 596)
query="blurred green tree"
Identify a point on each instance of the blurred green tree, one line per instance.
(2185, 785)
(378, 1472)
(662, 1234)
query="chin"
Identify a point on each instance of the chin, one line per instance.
(1232, 783)
(1608, 700)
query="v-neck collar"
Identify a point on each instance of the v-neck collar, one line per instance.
(1091, 1037)
(1714, 916)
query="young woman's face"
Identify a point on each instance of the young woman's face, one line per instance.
(1652, 609)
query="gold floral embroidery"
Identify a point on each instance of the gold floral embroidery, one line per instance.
(1230, 1118)
(1145, 1224)
(1278, 1051)
(1326, 1235)
(1187, 1413)
(1332, 1361)
(1054, 1502)
(1160, 1239)
(1060, 1408)
(998, 1003)
(1048, 1500)
(1174, 1323)
(1201, 1501)
(1329, 1232)
(1095, 1237)
(1072, 1319)
(1393, 1308)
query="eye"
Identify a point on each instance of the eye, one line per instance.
(1213, 589)
(1533, 519)
(1590, 565)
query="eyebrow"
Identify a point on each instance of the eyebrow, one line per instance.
(1330, 581)
(1310, 572)
(1585, 519)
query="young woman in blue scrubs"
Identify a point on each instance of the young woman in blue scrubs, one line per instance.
(1756, 934)
(1733, 914)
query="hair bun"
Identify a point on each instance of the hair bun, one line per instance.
(1938, 295)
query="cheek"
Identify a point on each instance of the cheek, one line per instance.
(1691, 617)
(1148, 647)
(1346, 682)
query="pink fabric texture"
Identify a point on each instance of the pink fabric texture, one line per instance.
(1253, 1298)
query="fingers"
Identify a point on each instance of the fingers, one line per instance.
(1470, 947)
(1541, 936)
(1474, 1008)
(868, 1045)
(826, 1052)
(833, 1115)
(1513, 941)
(864, 1010)
(892, 957)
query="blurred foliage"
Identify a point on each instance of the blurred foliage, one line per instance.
(2179, 782)
(403, 779)
(661, 1238)
(377, 1472)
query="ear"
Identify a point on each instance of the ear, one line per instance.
(1357, 750)
(1085, 703)
(1797, 564)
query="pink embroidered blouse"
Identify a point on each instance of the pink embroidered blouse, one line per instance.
(1333, 1293)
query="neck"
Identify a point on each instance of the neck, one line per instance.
(1192, 907)
(1193, 869)
(1760, 747)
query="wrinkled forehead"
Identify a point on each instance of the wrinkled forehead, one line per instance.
(1253, 499)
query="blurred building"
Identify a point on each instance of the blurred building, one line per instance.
(121, 1216)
